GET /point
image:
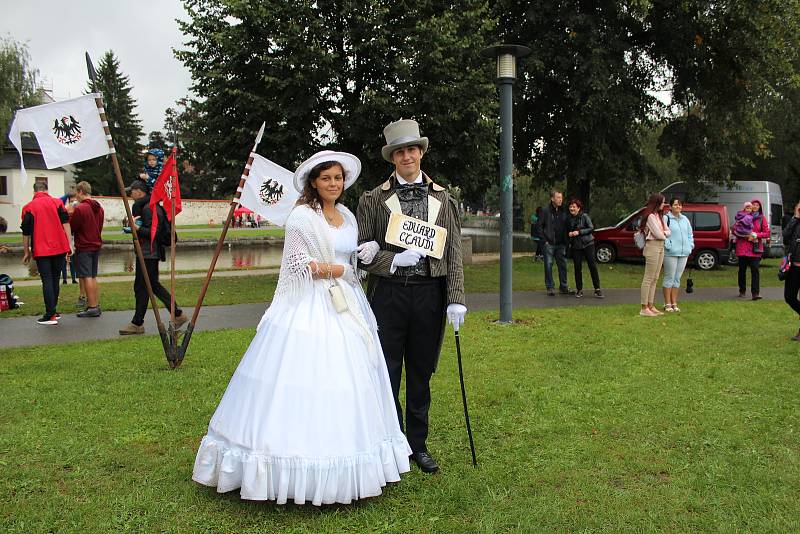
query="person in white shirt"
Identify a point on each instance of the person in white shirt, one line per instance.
(657, 232)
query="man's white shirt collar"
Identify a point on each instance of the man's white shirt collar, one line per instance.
(402, 181)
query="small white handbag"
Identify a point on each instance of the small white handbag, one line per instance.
(337, 298)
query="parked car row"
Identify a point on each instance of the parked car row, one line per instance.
(711, 214)
(711, 236)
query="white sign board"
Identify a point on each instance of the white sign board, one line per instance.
(416, 234)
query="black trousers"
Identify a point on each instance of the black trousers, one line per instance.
(140, 290)
(791, 287)
(71, 269)
(410, 327)
(49, 268)
(577, 263)
(755, 277)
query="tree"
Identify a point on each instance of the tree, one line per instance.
(780, 162)
(156, 139)
(586, 93)
(125, 129)
(196, 179)
(729, 62)
(583, 92)
(17, 82)
(332, 73)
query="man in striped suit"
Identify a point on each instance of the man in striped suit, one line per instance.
(411, 294)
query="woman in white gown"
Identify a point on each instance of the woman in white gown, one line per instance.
(309, 415)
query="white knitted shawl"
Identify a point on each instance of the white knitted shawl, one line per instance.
(308, 238)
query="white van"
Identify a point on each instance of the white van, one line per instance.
(734, 197)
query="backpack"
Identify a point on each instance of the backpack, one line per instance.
(8, 300)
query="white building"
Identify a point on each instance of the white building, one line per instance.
(13, 196)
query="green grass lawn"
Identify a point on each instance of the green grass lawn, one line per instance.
(585, 420)
(480, 278)
(529, 276)
(119, 295)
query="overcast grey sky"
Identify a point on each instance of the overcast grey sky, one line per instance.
(142, 34)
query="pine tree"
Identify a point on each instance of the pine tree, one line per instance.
(125, 129)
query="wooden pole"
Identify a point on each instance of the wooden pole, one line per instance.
(173, 338)
(136, 245)
(220, 242)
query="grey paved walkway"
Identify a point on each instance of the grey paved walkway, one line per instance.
(476, 258)
(23, 331)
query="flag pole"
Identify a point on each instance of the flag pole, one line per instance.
(220, 242)
(173, 337)
(165, 343)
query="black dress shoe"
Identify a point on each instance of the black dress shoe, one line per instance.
(425, 462)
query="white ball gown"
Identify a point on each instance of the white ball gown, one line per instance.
(309, 414)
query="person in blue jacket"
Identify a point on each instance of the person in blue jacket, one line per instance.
(677, 249)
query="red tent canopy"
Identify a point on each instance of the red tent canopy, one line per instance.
(241, 210)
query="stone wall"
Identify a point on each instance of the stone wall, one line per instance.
(194, 211)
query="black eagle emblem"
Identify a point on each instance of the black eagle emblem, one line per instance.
(271, 191)
(67, 130)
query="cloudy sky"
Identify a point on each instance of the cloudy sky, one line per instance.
(142, 34)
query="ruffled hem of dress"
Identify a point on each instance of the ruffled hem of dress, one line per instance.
(324, 480)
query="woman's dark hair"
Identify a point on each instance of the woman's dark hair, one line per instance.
(575, 201)
(653, 206)
(310, 195)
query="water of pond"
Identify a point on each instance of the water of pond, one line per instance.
(239, 257)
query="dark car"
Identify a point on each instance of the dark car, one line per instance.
(709, 225)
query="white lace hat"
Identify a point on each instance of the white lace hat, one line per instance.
(350, 164)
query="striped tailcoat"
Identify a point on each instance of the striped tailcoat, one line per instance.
(373, 220)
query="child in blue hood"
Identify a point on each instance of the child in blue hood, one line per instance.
(153, 163)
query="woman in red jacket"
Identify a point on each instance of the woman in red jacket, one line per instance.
(749, 252)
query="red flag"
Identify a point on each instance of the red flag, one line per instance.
(166, 190)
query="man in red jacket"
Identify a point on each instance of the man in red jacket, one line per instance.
(86, 222)
(46, 236)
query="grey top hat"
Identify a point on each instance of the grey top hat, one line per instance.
(398, 134)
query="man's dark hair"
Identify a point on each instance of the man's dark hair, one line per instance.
(554, 192)
(38, 187)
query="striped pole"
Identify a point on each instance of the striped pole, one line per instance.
(220, 242)
(173, 332)
(136, 245)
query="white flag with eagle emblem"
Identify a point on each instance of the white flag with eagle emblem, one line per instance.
(269, 190)
(67, 132)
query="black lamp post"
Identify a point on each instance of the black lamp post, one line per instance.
(506, 55)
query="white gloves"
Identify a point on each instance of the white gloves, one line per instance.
(349, 275)
(407, 258)
(367, 251)
(455, 315)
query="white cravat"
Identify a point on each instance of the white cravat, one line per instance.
(402, 181)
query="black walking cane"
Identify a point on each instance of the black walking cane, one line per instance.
(464, 398)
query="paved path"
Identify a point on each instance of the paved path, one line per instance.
(476, 259)
(23, 331)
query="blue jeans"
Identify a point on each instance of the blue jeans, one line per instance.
(560, 254)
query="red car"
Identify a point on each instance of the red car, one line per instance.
(709, 226)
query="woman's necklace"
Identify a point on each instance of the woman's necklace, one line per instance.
(332, 219)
